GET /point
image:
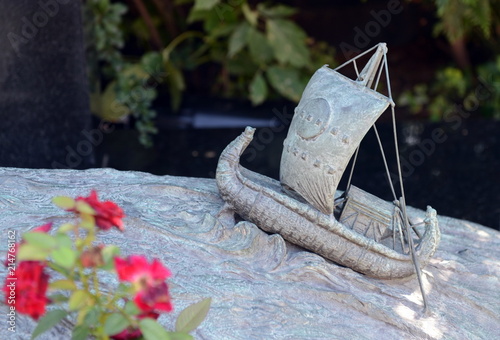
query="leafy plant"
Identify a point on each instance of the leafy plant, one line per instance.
(254, 52)
(459, 18)
(489, 76)
(259, 50)
(452, 86)
(75, 263)
(462, 20)
(128, 87)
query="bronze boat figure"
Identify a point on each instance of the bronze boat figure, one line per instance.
(357, 229)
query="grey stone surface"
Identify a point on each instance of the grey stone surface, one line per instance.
(44, 108)
(263, 287)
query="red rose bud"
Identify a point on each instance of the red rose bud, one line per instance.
(92, 257)
(107, 214)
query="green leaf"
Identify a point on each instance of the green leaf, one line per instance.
(48, 321)
(196, 15)
(192, 316)
(135, 72)
(78, 299)
(131, 308)
(152, 330)
(205, 4)
(175, 75)
(278, 11)
(82, 314)
(63, 284)
(286, 81)
(115, 323)
(180, 336)
(288, 42)
(41, 240)
(84, 208)
(176, 84)
(109, 108)
(30, 252)
(220, 31)
(223, 13)
(259, 47)
(65, 228)
(64, 202)
(87, 221)
(238, 39)
(92, 316)
(58, 298)
(64, 257)
(151, 63)
(63, 240)
(109, 252)
(242, 65)
(258, 89)
(59, 269)
(80, 332)
(251, 16)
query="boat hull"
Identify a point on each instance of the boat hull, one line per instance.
(260, 200)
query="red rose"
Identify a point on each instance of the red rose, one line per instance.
(107, 214)
(43, 228)
(29, 287)
(136, 269)
(149, 282)
(155, 297)
(134, 333)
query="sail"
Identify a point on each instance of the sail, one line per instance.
(331, 119)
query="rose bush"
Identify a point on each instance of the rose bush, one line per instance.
(68, 269)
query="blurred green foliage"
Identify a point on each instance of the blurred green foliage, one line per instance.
(489, 75)
(260, 51)
(459, 18)
(438, 98)
(462, 22)
(127, 90)
(253, 52)
(453, 86)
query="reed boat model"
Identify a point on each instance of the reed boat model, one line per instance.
(357, 229)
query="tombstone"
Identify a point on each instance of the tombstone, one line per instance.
(44, 103)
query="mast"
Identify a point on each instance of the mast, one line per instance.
(367, 76)
(331, 119)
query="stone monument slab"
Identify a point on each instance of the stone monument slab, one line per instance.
(263, 287)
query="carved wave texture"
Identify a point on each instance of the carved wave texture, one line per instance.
(262, 287)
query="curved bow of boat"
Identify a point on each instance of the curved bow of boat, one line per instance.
(260, 200)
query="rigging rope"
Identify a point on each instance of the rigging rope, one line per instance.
(401, 203)
(403, 199)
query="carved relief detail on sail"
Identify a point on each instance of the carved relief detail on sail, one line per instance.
(334, 114)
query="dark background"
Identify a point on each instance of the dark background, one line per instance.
(46, 121)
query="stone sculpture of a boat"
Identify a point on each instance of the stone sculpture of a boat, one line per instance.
(357, 229)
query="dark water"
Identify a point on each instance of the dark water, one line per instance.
(452, 166)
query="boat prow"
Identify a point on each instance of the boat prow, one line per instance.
(261, 200)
